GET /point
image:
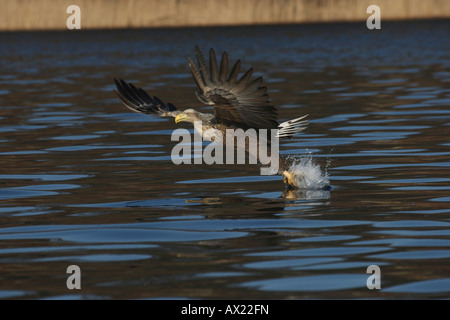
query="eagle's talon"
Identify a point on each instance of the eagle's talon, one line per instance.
(289, 179)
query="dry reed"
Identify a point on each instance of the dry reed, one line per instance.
(51, 14)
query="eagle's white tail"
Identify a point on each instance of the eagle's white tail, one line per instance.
(289, 128)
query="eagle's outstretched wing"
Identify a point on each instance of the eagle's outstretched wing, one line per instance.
(242, 103)
(138, 100)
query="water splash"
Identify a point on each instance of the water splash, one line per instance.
(309, 175)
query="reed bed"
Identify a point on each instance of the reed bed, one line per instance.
(95, 14)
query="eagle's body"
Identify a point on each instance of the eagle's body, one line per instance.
(238, 104)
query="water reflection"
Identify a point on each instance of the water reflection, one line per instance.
(305, 194)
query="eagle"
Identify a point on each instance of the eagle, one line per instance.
(239, 102)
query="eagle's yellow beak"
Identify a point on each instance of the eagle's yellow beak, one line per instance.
(181, 117)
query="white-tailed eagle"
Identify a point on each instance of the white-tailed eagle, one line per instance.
(239, 103)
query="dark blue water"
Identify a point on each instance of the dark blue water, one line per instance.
(86, 182)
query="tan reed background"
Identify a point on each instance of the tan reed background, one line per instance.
(51, 14)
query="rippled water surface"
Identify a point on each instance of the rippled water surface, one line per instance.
(86, 182)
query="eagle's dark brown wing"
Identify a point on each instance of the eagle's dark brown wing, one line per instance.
(242, 103)
(138, 100)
